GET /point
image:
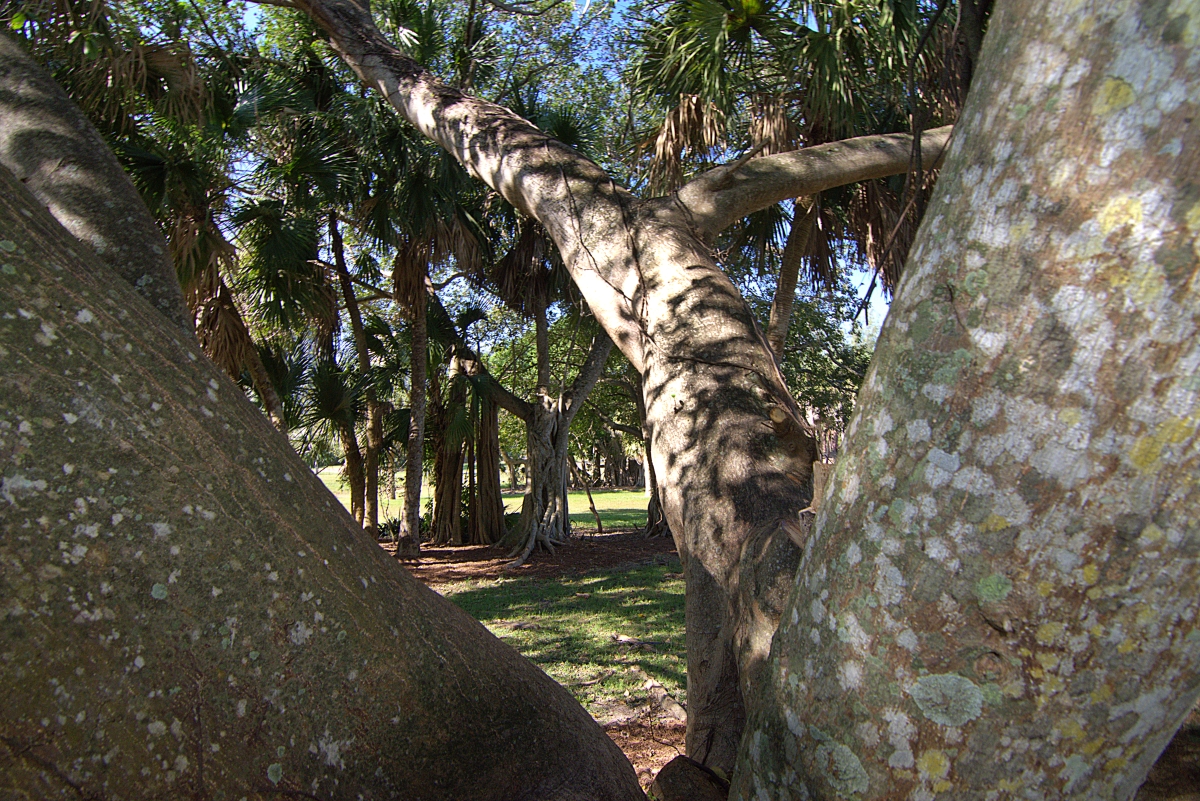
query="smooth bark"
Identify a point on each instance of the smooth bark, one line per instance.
(999, 597)
(187, 612)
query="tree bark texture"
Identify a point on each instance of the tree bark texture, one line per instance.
(999, 597)
(374, 439)
(186, 610)
(488, 523)
(448, 464)
(52, 148)
(732, 452)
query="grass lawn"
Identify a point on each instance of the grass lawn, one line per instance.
(568, 627)
(618, 508)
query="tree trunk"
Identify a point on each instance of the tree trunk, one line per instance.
(733, 454)
(803, 220)
(544, 514)
(189, 613)
(374, 443)
(448, 468)
(1000, 590)
(414, 466)
(490, 505)
(353, 469)
(49, 145)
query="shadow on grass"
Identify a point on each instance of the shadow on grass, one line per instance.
(569, 627)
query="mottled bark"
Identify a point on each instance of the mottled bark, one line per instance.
(187, 612)
(374, 439)
(999, 599)
(49, 145)
(732, 453)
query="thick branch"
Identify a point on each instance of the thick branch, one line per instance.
(722, 195)
(588, 375)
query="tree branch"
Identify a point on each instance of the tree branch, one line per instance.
(613, 425)
(715, 199)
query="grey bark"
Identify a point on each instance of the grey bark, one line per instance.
(49, 145)
(731, 451)
(999, 596)
(188, 612)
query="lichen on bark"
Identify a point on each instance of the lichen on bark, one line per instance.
(999, 597)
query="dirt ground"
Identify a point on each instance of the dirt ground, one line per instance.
(651, 741)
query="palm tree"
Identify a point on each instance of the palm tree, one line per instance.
(727, 70)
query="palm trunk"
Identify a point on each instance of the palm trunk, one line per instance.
(265, 390)
(374, 443)
(415, 450)
(353, 470)
(803, 222)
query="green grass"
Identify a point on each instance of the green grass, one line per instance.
(618, 508)
(567, 627)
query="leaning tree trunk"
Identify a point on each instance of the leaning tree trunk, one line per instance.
(732, 453)
(187, 612)
(1000, 593)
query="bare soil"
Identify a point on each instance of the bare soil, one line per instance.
(648, 739)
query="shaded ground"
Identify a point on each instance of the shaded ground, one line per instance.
(638, 721)
(620, 685)
(609, 551)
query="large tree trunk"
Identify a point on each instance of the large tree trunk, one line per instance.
(544, 513)
(732, 453)
(49, 145)
(187, 611)
(1000, 593)
(374, 443)
(448, 465)
(488, 522)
